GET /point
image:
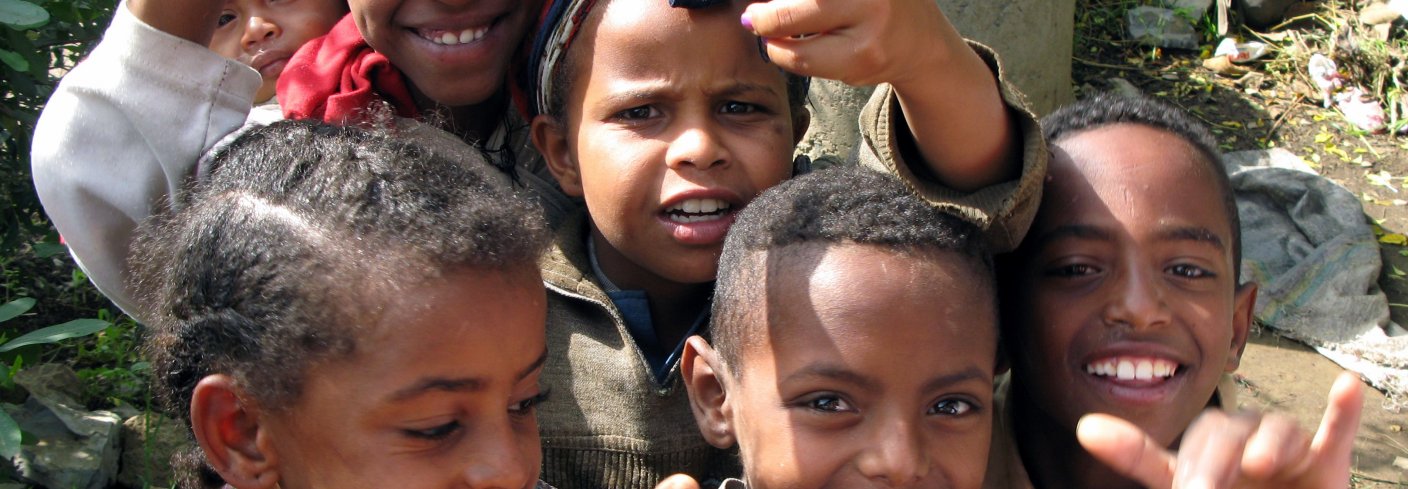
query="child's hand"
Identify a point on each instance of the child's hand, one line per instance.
(860, 42)
(678, 481)
(1242, 450)
(910, 45)
(192, 20)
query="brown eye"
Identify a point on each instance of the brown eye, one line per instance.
(435, 433)
(637, 113)
(225, 18)
(739, 108)
(951, 407)
(830, 404)
(1189, 271)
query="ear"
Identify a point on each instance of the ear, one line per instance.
(703, 374)
(227, 426)
(801, 120)
(550, 136)
(1243, 313)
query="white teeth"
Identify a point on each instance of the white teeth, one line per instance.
(462, 37)
(1133, 368)
(1126, 370)
(699, 206)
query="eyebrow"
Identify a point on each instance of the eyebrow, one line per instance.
(1191, 233)
(650, 90)
(467, 384)
(1076, 231)
(970, 373)
(1171, 233)
(833, 372)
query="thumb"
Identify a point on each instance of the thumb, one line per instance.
(1333, 445)
(678, 481)
(1126, 449)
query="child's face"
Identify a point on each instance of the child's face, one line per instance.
(1127, 301)
(876, 370)
(673, 123)
(454, 53)
(440, 393)
(264, 34)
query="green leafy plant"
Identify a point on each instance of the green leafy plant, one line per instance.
(39, 41)
(10, 434)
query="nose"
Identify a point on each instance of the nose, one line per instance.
(259, 30)
(897, 455)
(500, 459)
(696, 144)
(1137, 300)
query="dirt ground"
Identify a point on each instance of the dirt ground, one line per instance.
(1273, 105)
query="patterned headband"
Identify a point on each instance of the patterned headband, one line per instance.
(560, 23)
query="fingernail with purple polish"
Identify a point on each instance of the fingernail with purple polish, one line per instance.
(747, 22)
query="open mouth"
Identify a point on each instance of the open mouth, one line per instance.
(1131, 369)
(697, 210)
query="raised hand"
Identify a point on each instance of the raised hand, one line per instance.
(1244, 450)
(910, 45)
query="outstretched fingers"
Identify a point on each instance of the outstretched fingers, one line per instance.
(1126, 449)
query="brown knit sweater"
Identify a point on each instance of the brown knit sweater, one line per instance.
(607, 423)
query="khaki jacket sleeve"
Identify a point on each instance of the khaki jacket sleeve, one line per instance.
(1004, 210)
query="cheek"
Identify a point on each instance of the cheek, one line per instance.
(226, 43)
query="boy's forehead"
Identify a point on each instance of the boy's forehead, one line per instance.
(632, 24)
(1125, 168)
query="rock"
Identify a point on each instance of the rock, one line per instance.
(1033, 38)
(1124, 88)
(51, 381)
(1264, 13)
(1378, 13)
(1161, 27)
(148, 442)
(1192, 8)
(74, 448)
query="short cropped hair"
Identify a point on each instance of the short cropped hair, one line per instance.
(1107, 109)
(299, 232)
(841, 205)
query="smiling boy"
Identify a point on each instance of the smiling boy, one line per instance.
(1125, 296)
(855, 340)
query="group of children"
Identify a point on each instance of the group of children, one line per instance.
(359, 300)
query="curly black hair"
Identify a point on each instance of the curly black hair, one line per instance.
(277, 257)
(840, 205)
(1107, 109)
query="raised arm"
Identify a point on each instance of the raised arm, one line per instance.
(950, 98)
(124, 130)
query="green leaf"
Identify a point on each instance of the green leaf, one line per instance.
(14, 60)
(46, 250)
(72, 329)
(15, 308)
(22, 14)
(10, 436)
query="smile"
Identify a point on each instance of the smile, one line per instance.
(1133, 368)
(697, 210)
(451, 38)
